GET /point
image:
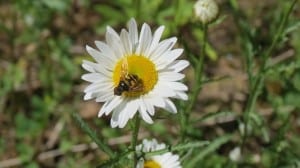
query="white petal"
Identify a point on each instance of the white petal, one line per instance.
(155, 100)
(109, 39)
(104, 96)
(162, 47)
(115, 119)
(102, 110)
(169, 56)
(168, 160)
(99, 86)
(112, 32)
(87, 67)
(145, 39)
(126, 42)
(100, 58)
(170, 76)
(170, 106)
(133, 33)
(113, 123)
(94, 77)
(133, 106)
(162, 90)
(115, 45)
(143, 112)
(96, 68)
(174, 160)
(155, 40)
(178, 65)
(140, 163)
(181, 95)
(149, 106)
(165, 160)
(106, 50)
(94, 53)
(118, 49)
(123, 118)
(176, 86)
(88, 96)
(110, 105)
(95, 94)
(128, 112)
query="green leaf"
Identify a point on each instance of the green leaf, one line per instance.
(292, 27)
(209, 50)
(85, 127)
(292, 98)
(109, 12)
(32, 164)
(65, 145)
(57, 4)
(26, 152)
(213, 146)
(296, 81)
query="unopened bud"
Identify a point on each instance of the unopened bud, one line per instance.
(206, 11)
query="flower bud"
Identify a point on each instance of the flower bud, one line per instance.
(206, 11)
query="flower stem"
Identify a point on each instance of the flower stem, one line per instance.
(178, 14)
(134, 137)
(199, 71)
(177, 147)
(184, 116)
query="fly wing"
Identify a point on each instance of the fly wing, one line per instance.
(124, 68)
(138, 86)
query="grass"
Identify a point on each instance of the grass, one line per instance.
(244, 93)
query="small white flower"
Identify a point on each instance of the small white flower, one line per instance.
(134, 73)
(206, 10)
(166, 160)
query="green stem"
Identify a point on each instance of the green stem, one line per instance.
(178, 8)
(250, 106)
(278, 34)
(201, 59)
(199, 71)
(259, 80)
(93, 135)
(184, 115)
(134, 137)
(177, 148)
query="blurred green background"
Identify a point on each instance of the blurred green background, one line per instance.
(42, 45)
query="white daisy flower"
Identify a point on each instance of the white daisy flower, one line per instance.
(134, 73)
(166, 160)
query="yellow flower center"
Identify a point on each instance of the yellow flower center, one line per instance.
(151, 164)
(137, 72)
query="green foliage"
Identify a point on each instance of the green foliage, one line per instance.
(42, 46)
(12, 77)
(27, 128)
(213, 146)
(26, 152)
